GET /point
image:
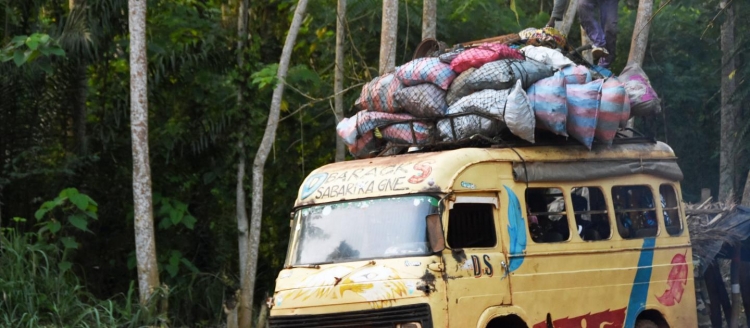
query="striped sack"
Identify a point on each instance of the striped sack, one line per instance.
(413, 133)
(424, 70)
(476, 57)
(576, 74)
(366, 146)
(611, 106)
(548, 100)
(379, 94)
(358, 125)
(583, 105)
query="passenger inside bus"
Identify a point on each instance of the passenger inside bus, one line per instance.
(545, 209)
(635, 211)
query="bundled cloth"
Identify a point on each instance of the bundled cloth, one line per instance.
(379, 94)
(425, 100)
(549, 102)
(583, 106)
(547, 37)
(426, 70)
(547, 56)
(459, 88)
(643, 98)
(487, 112)
(503, 74)
(488, 52)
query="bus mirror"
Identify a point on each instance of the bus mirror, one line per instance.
(435, 233)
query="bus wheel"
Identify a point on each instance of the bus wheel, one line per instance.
(645, 323)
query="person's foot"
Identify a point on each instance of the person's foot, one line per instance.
(598, 52)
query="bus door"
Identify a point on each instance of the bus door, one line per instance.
(474, 259)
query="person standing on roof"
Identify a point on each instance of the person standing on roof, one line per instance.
(600, 26)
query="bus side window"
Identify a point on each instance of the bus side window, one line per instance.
(548, 221)
(635, 211)
(671, 210)
(471, 225)
(590, 209)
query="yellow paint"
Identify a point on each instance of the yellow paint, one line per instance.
(574, 280)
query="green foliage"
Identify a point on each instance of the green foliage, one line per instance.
(25, 49)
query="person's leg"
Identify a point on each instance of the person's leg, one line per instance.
(587, 14)
(608, 10)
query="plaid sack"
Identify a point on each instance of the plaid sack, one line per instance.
(424, 70)
(459, 88)
(496, 110)
(379, 94)
(488, 103)
(351, 128)
(549, 102)
(502, 74)
(412, 133)
(488, 52)
(424, 100)
(583, 106)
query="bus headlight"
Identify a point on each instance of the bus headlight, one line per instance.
(409, 325)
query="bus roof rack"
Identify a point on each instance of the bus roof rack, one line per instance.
(508, 140)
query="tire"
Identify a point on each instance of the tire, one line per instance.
(645, 323)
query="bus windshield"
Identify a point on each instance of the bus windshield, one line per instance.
(363, 229)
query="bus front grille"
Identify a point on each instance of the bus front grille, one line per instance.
(387, 317)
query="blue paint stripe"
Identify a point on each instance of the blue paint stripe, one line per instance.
(639, 293)
(516, 230)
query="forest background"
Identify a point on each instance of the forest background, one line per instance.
(66, 199)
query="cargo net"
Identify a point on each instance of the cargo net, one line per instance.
(449, 131)
(487, 92)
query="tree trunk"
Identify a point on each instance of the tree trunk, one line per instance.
(265, 148)
(79, 93)
(642, 25)
(569, 17)
(639, 41)
(585, 41)
(244, 313)
(746, 193)
(429, 19)
(145, 243)
(338, 79)
(388, 30)
(728, 153)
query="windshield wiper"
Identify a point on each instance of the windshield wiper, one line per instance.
(308, 266)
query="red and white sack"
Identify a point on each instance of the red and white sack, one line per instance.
(488, 52)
